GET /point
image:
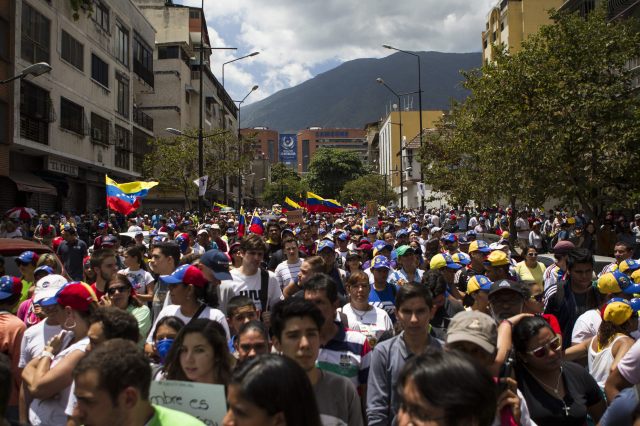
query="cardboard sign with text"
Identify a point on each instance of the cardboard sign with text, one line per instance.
(294, 216)
(204, 401)
(372, 209)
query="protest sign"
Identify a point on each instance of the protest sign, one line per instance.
(204, 401)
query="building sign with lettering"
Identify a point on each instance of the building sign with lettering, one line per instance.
(63, 167)
(288, 149)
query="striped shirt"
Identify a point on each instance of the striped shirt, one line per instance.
(609, 268)
(552, 275)
(348, 354)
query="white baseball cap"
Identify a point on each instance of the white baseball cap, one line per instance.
(48, 287)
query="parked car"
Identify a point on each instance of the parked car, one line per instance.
(11, 248)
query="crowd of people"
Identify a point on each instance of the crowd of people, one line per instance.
(438, 318)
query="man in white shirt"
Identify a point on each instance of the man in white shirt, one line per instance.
(287, 271)
(249, 280)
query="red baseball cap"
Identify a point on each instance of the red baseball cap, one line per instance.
(186, 274)
(76, 295)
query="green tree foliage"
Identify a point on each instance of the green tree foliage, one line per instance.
(330, 169)
(371, 187)
(280, 171)
(292, 187)
(558, 119)
(174, 161)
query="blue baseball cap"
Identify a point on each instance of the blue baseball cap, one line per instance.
(218, 262)
(27, 257)
(403, 219)
(479, 245)
(186, 274)
(9, 286)
(471, 233)
(326, 244)
(183, 242)
(102, 225)
(343, 236)
(171, 227)
(322, 231)
(461, 258)
(372, 230)
(450, 238)
(44, 268)
(402, 233)
(381, 245)
(380, 262)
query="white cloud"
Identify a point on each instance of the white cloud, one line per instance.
(296, 38)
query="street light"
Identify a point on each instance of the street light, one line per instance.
(253, 89)
(386, 46)
(236, 59)
(34, 70)
(381, 81)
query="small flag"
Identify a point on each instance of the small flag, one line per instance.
(256, 226)
(292, 203)
(241, 222)
(201, 183)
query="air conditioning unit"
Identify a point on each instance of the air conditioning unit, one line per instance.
(96, 134)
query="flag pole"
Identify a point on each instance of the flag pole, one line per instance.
(105, 198)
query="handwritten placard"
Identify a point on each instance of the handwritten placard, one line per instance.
(204, 401)
(372, 209)
(294, 216)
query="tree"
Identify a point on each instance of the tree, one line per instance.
(371, 187)
(557, 119)
(174, 161)
(292, 187)
(330, 169)
(280, 171)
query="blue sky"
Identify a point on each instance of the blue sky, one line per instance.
(298, 39)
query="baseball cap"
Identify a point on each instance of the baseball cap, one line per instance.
(471, 233)
(380, 262)
(475, 327)
(324, 244)
(109, 241)
(461, 258)
(449, 238)
(618, 311)
(102, 225)
(9, 286)
(364, 246)
(402, 233)
(44, 268)
(47, 287)
(77, 295)
(497, 258)
(381, 245)
(231, 230)
(443, 260)
(563, 247)
(405, 250)
(505, 285)
(215, 226)
(372, 230)
(27, 257)
(218, 262)
(322, 231)
(186, 274)
(343, 236)
(478, 282)
(628, 265)
(202, 231)
(616, 282)
(234, 247)
(499, 245)
(479, 245)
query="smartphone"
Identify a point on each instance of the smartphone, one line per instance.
(505, 371)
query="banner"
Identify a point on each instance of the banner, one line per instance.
(204, 401)
(294, 216)
(201, 183)
(421, 189)
(288, 149)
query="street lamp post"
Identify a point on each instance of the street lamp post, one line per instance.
(34, 70)
(386, 46)
(237, 59)
(381, 81)
(253, 89)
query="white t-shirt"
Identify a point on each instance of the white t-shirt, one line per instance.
(174, 310)
(249, 285)
(522, 225)
(51, 411)
(34, 340)
(287, 272)
(586, 326)
(139, 279)
(371, 323)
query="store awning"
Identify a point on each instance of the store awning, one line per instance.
(28, 182)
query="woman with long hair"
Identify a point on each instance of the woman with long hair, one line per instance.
(530, 270)
(200, 353)
(556, 391)
(48, 377)
(136, 270)
(271, 390)
(121, 294)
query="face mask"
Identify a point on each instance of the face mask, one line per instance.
(162, 347)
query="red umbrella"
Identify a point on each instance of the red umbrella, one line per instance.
(22, 213)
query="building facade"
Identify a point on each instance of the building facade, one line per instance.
(510, 22)
(314, 138)
(391, 141)
(70, 127)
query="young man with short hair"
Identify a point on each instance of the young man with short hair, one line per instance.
(103, 263)
(240, 310)
(296, 334)
(72, 251)
(250, 280)
(165, 257)
(112, 387)
(413, 310)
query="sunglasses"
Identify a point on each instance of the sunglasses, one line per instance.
(554, 345)
(538, 297)
(114, 290)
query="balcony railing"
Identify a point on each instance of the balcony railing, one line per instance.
(142, 119)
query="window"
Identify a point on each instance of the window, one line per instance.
(142, 60)
(502, 26)
(35, 112)
(101, 15)
(99, 129)
(122, 106)
(187, 96)
(122, 45)
(72, 51)
(140, 148)
(168, 52)
(123, 148)
(4, 39)
(194, 14)
(99, 70)
(35, 35)
(72, 116)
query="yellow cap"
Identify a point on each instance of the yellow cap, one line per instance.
(497, 258)
(618, 312)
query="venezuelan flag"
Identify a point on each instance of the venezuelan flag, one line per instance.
(256, 226)
(333, 206)
(125, 197)
(242, 223)
(292, 203)
(315, 204)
